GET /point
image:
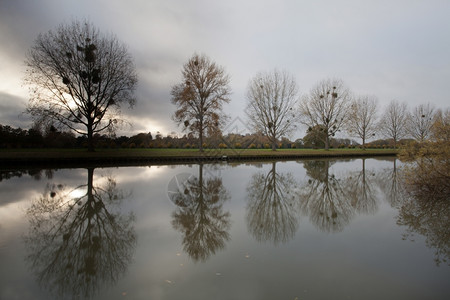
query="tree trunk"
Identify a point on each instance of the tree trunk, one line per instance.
(200, 138)
(90, 137)
(274, 146)
(327, 142)
(274, 143)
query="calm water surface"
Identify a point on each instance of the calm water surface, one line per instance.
(310, 229)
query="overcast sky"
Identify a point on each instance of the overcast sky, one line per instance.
(391, 49)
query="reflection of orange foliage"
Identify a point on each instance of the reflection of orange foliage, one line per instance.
(428, 215)
(200, 216)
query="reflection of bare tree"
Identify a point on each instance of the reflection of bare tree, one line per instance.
(271, 209)
(199, 216)
(425, 210)
(390, 185)
(324, 198)
(76, 240)
(359, 188)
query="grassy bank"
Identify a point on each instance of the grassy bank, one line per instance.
(133, 156)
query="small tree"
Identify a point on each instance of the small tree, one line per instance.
(315, 137)
(327, 105)
(79, 79)
(200, 97)
(421, 121)
(272, 104)
(394, 121)
(362, 120)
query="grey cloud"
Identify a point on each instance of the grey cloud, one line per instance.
(391, 49)
(12, 111)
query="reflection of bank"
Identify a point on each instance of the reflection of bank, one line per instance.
(78, 241)
(199, 215)
(272, 213)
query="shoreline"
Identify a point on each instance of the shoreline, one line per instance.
(133, 157)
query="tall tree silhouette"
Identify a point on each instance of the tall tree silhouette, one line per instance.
(327, 106)
(201, 96)
(362, 120)
(272, 104)
(78, 243)
(272, 208)
(394, 121)
(78, 79)
(200, 215)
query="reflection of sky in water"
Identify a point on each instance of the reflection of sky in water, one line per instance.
(367, 259)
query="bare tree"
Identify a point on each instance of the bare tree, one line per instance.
(272, 104)
(327, 105)
(79, 79)
(394, 122)
(421, 121)
(362, 121)
(200, 97)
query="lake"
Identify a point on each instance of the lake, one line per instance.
(307, 229)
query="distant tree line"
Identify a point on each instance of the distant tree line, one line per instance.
(17, 138)
(80, 78)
